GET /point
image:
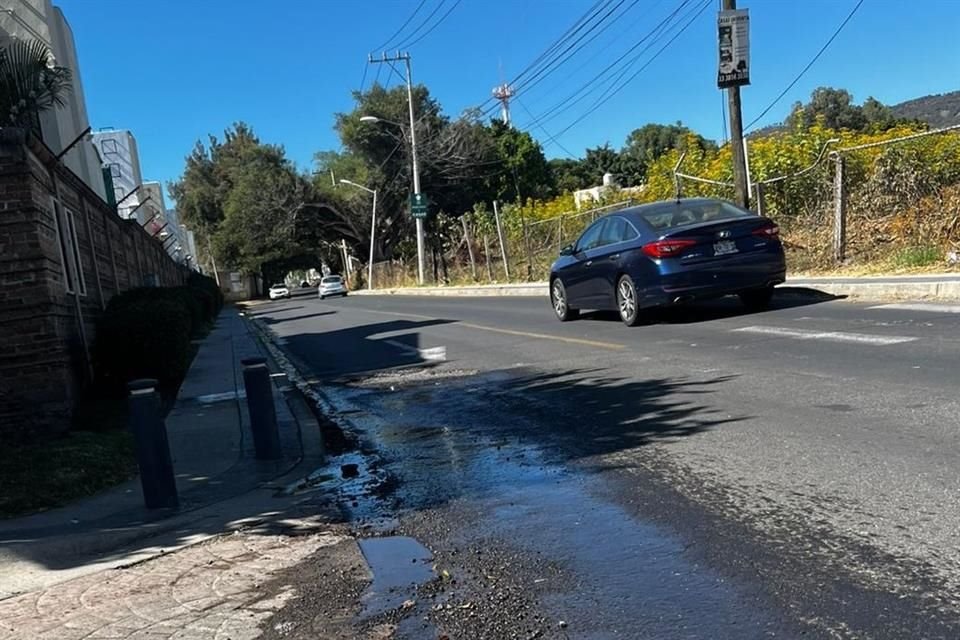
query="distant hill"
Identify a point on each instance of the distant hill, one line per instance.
(941, 110)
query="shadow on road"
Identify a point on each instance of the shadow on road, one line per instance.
(451, 439)
(722, 308)
(361, 349)
(307, 316)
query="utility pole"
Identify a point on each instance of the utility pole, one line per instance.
(405, 57)
(741, 194)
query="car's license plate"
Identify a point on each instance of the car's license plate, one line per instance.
(724, 247)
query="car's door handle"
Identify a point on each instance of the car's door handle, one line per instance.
(615, 256)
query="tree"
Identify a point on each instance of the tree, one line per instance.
(599, 161)
(524, 172)
(834, 106)
(246, 200)
(646, 144)
(29, 82)
(568, 175)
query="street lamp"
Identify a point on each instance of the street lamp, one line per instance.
(373, 228)
(416, 173)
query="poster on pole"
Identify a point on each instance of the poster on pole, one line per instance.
(733, 29)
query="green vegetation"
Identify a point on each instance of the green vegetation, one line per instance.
(254, 210)
(43, 475)
(29, 84)
(916, 257)
(143, 333)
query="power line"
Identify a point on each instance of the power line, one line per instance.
(403, 43)
(547, 133)
(435, 25)
(569, 101)
(806, 68)
(393, 69)
(402, 27)
(546, 70)
(588, 15)
(606, 98)
(363, 80)
(628, 29)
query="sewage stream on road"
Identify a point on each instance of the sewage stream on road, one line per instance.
(622, 578)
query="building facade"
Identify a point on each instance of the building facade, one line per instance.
(121, 158)
(59, 126)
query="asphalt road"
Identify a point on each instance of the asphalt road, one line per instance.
(712, 474)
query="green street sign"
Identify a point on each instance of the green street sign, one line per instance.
(418, 205)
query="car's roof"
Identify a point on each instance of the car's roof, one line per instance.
(278, 286)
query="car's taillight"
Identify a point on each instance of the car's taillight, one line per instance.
(666, 248)
(771, 232)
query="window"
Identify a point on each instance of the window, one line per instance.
(75, 246)
(69, 249)
(591, 237)
(617, 230)
(669, 216)
(118, 193)
(109, 146)
(114, 169)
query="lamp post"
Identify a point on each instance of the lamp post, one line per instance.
(416, 173)
(373, 228)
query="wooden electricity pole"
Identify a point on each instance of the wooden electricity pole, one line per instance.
(741, 194)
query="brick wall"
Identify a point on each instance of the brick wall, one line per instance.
(43, 327)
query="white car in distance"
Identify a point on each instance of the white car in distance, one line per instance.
(332, 286)
(278, 291)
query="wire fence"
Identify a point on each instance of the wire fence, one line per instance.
(889, 204)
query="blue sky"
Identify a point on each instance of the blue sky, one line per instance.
(173, 71)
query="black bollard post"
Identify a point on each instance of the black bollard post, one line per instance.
(263, 413)
(153, 449)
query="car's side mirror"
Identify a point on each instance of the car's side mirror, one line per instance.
(567, 250)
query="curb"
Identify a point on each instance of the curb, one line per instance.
(901, 288)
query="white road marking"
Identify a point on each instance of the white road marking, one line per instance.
(920, 306)
(831, 336)
(211, 398)
(431, 354)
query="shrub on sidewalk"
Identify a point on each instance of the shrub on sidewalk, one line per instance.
(145, 336)
(209, 286)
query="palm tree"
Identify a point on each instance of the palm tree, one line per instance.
(30, 82)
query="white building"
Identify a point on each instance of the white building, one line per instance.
(595, 195)
(59, 126)
(118, 149)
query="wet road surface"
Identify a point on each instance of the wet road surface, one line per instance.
(714, 474)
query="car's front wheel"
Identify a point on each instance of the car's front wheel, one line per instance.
(323, 297)
(757, 299)
(627, 302)
(561, 306)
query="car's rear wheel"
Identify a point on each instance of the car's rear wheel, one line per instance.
(757, 299)
(627, 303)
(561, 306)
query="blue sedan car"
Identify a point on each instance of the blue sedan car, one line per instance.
(668, 253)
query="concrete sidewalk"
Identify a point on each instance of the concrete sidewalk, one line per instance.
(221, 485)
(945, 286)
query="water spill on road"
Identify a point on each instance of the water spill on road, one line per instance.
(629, 578)
(399, 565)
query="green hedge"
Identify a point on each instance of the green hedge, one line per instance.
(143, 337)
(207, 285)
(145, 332)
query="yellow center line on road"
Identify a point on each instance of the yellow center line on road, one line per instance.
(612, 346)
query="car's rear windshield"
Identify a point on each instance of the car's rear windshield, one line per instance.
(680, 214)
(279, 286)
(331, 280)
